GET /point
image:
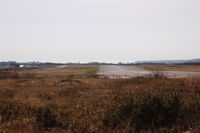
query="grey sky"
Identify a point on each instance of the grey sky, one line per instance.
(99, 30)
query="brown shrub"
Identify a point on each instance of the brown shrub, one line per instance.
(104, 105)
(7, 93)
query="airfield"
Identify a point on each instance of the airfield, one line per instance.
(130, 71)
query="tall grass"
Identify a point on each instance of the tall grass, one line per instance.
(93, 105)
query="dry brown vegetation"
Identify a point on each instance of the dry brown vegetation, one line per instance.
(187, 68)
(50, 72)
(82, 103)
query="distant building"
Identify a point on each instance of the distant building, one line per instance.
(21, 66)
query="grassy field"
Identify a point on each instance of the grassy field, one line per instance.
(74, 100)
(51, 72)
(187, 68)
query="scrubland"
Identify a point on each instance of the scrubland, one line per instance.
(74, 100)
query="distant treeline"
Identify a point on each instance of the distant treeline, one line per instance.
(48, 64)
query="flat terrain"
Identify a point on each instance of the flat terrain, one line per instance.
(122, 71)
(51, 72)
(185, 68)
(71, 99)
(119, 71)
(71, 70)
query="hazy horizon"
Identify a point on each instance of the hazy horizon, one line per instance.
(99, 61)
(99, 30)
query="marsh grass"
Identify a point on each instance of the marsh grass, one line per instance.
(92, 105)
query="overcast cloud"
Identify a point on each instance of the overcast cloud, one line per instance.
(99, 30)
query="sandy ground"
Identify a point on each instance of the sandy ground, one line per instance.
(118, 71)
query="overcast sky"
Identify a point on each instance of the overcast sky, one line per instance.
(99, 30)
